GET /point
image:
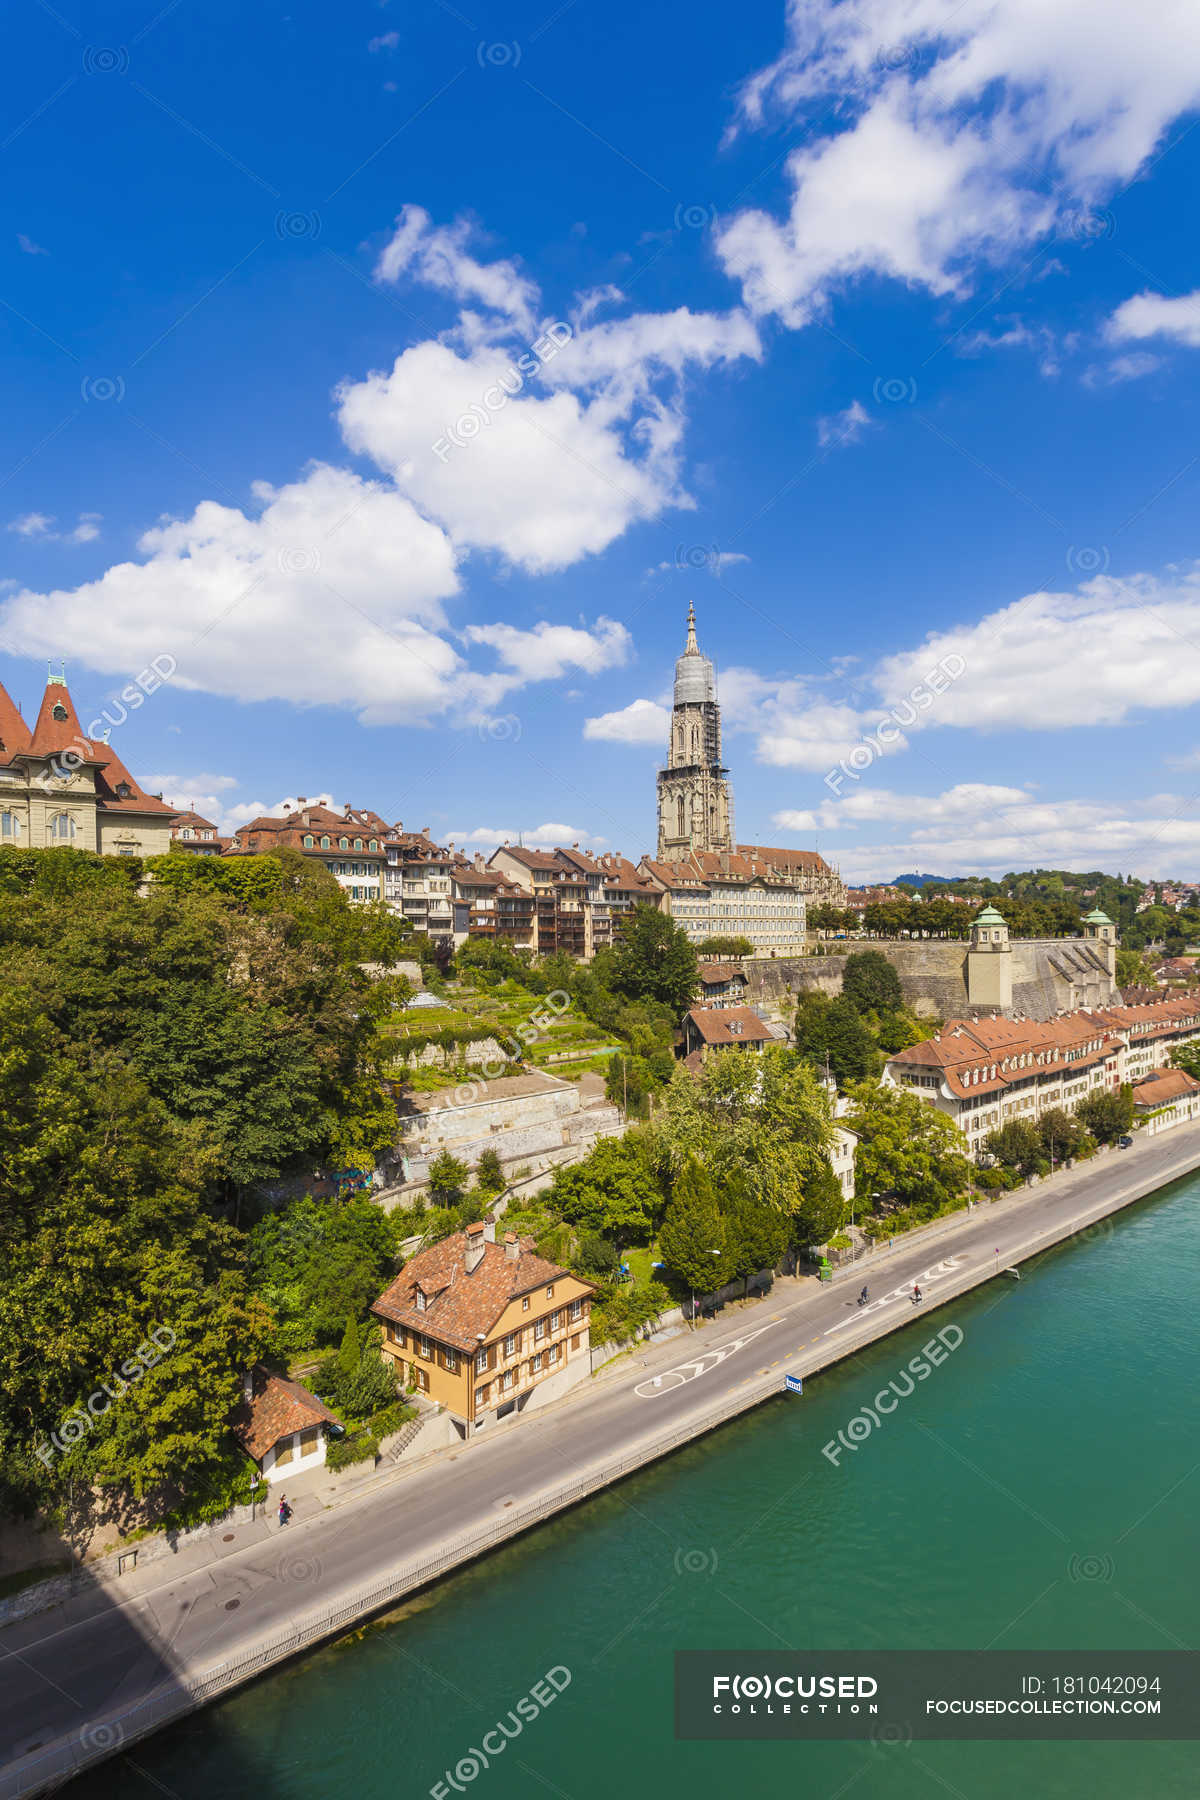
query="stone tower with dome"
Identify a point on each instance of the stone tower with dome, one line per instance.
(695, 806)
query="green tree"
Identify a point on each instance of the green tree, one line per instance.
(448, 1178)
(906, 1147)
(726, 946)
(1106, 1115)
(653, 959)
(489, 1173)
(123, 1303)
(595, 1256)
(1063, 1134)
(822, 1207)
(613, 1191)
(871, 984)
(1018, 1145)
(350, 1351)
(756, 1235)
(693, 1239)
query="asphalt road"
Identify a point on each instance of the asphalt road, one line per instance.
(64, 1673)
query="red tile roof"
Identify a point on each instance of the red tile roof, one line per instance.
(460, 1304)
(965, 1048)
(1162, 1086)
(278, 1408)
(14, 732)
(730, 1025)
(52, 734)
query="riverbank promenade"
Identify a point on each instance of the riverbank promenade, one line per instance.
(119, 1659)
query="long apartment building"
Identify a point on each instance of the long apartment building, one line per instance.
(576, 897)
(982, 1073)
(743, 893)
(486, 1328)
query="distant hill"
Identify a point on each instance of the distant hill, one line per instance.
(922, 880)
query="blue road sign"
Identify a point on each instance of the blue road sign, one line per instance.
(794, 1384)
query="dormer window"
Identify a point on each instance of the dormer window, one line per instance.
(373, 845)
(419, 1300)
(308, 843)
(358, 843)
(343, 843)
(58, 711)
(324, 843)
(124, 791)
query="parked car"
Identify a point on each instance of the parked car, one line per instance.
(1125, 1143)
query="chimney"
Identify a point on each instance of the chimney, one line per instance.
(475, 1243)
(489, 1229)
(301, 800)
(248, 1386)
(511, 1247)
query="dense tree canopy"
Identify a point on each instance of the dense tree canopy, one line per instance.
(653, 959)
(104, 1240)
(870, 983)
(907, 1148)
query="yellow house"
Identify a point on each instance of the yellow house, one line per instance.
(486, 1328)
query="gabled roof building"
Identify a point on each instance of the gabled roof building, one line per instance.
(62, 786)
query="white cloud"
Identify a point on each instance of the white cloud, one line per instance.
(29, 247)
(541, 448)
(1019, 335)
(542, 837)
(844, 427)
(1122, 368)
(641, 722)
(980, 829)
(388, 41)
(204, 793)
(40, 525)
(438, 256)
(974, 128)
(548, 651)
(1052, 660)
(332, 594)
(1156, 315)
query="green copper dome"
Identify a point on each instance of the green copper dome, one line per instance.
(1096, 917)
(989, 916)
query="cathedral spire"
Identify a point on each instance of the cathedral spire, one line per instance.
(691, 648)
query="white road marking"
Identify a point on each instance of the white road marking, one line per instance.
(699, 1365)
(903, 1292)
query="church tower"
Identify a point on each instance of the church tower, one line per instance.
(695, 807)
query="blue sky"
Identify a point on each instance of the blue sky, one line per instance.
(402, 373)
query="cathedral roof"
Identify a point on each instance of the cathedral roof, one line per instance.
(695, 677)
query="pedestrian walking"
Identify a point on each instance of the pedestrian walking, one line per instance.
(283, 1509)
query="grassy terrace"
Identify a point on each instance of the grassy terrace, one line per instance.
(499, 1012)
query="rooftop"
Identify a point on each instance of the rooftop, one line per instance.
(278, 1408)
(464, 1305)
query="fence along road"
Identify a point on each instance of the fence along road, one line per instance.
(802, 1337)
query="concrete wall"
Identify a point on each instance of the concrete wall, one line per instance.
(1049, 975)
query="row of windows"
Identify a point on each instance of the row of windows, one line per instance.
(61, 826)
(505, 1383)
(349, 868)
(342, 843)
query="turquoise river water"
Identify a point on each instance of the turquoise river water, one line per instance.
(1039, 1491)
